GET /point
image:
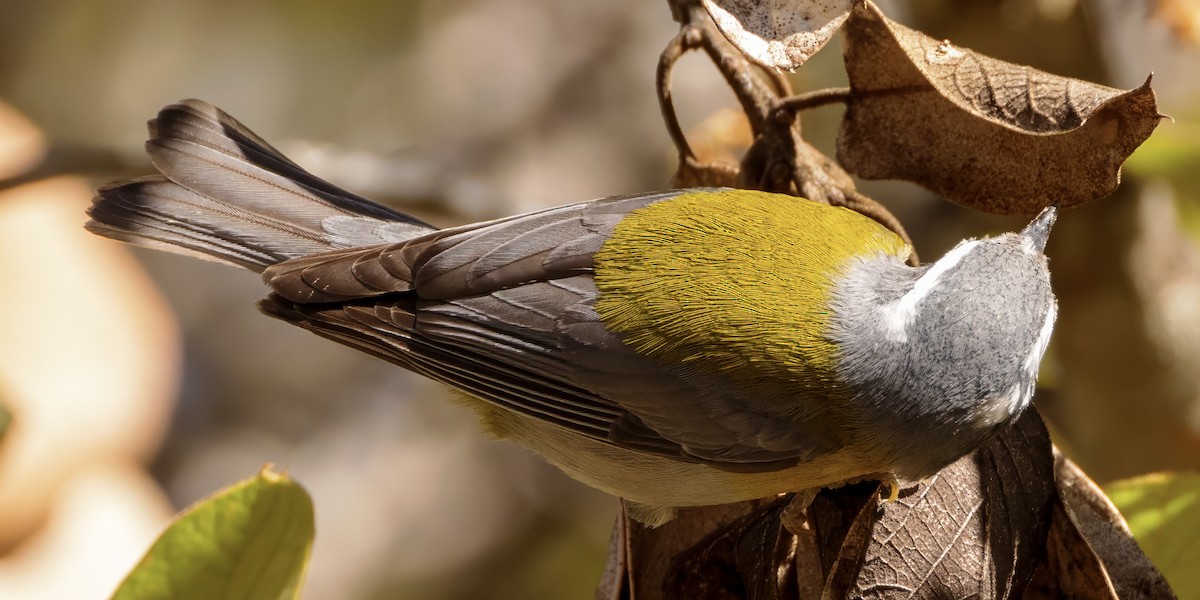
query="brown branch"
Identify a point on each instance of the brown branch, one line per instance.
(683, 41)
(815, 99)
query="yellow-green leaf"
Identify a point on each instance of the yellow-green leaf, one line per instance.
(1163, 512)
(250, 540)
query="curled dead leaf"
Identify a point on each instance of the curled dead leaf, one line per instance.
(779, 34)
(1093, 544)
(975, 530)
(984, 133)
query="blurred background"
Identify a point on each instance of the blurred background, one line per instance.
(135, 383)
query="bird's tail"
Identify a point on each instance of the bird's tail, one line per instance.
(225, 194)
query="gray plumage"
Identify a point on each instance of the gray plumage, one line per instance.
(968, 343)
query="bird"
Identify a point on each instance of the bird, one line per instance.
(678, 348)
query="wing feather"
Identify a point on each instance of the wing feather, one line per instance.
(505, 311)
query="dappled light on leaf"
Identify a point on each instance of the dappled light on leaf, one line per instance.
(779, 34)
(1090, 552)
(1163, 511)
(984, 133)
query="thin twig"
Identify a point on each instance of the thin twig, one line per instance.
(756, 97)
(863, 204)
(779, 159)
(783, 87)
(815, 99)
(662, 80)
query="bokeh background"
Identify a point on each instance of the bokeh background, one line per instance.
(137, 383)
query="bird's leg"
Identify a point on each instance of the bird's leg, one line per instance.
(890, 481)
(795, 515)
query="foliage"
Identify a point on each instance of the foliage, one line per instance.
(1163, 512)
(250, 540)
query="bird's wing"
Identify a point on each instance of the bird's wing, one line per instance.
(505, 311)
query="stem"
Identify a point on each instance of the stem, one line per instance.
(783, 87)
(662, 80)
(756, 97)
(815, 99)
(861, 203)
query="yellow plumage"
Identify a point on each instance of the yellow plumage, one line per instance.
(723, 279)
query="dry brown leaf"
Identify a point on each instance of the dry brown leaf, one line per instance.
(646, 566)
(975, 531)
(984, 133)
(1071, 569)
(613, 583)
(755, 547)
(779, 34)
(1093, 518)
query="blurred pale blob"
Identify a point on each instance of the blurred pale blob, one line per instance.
(88, 355)
(405, 487)
(1128, 401)
(724, 135)
(21, 143)
(101, 522)
(1182, 16)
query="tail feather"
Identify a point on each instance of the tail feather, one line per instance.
(225, 194)
(155, 212)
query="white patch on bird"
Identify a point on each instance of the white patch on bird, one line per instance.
(996, 410)
(1018, 397)
(1028, 247)
(1039, 347)
(899, 315)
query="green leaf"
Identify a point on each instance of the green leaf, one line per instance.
(1163, 512)
(251, 540)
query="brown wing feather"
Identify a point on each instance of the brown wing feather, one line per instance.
(463, 261)
(504, 310)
